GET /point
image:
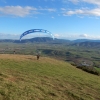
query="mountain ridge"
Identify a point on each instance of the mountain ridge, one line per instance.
(47, 39)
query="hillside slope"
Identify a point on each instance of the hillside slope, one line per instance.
(22, 77)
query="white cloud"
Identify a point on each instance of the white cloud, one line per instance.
(66, 36)
(51, 10)
(17, 10)
(97, 2)
(87, 36)
(9, 36)
(91, 36)
(84, 10)
(87, 12)
(47, 9)
(20, 11)
(83, 35)
(57, 35)
(76, 36)
(74, 1)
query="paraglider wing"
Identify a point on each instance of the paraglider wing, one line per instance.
(35, 30)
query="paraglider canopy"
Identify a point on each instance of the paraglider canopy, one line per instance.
(36, 30)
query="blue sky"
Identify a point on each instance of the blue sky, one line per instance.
(68, 19)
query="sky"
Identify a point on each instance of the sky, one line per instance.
(65, 19)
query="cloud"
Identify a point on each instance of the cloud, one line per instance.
(51, 10)
(76, 36)
(83, 35)
(17, 10)
(9, 36)
(97, 2)
(86, 12)
(89, 36)
(60, 36)
(57, 35)
(47, 9)
(20, 11)
(84, 8)
(74, 1)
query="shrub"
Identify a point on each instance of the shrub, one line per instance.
(89, 70)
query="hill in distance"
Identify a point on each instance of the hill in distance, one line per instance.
(37, 39)
(23, 77)
(77, 42)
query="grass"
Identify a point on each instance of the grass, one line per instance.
(22, 77)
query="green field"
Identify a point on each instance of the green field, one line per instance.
(64, 51)
(22, 77)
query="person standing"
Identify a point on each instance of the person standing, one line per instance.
(38, 56)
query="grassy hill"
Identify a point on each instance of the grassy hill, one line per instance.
(22, 77)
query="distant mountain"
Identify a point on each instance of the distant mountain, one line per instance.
(78, 42)
(85, 40)
(87, 44)
(7, 40)
(37, 39)
(44, 39)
